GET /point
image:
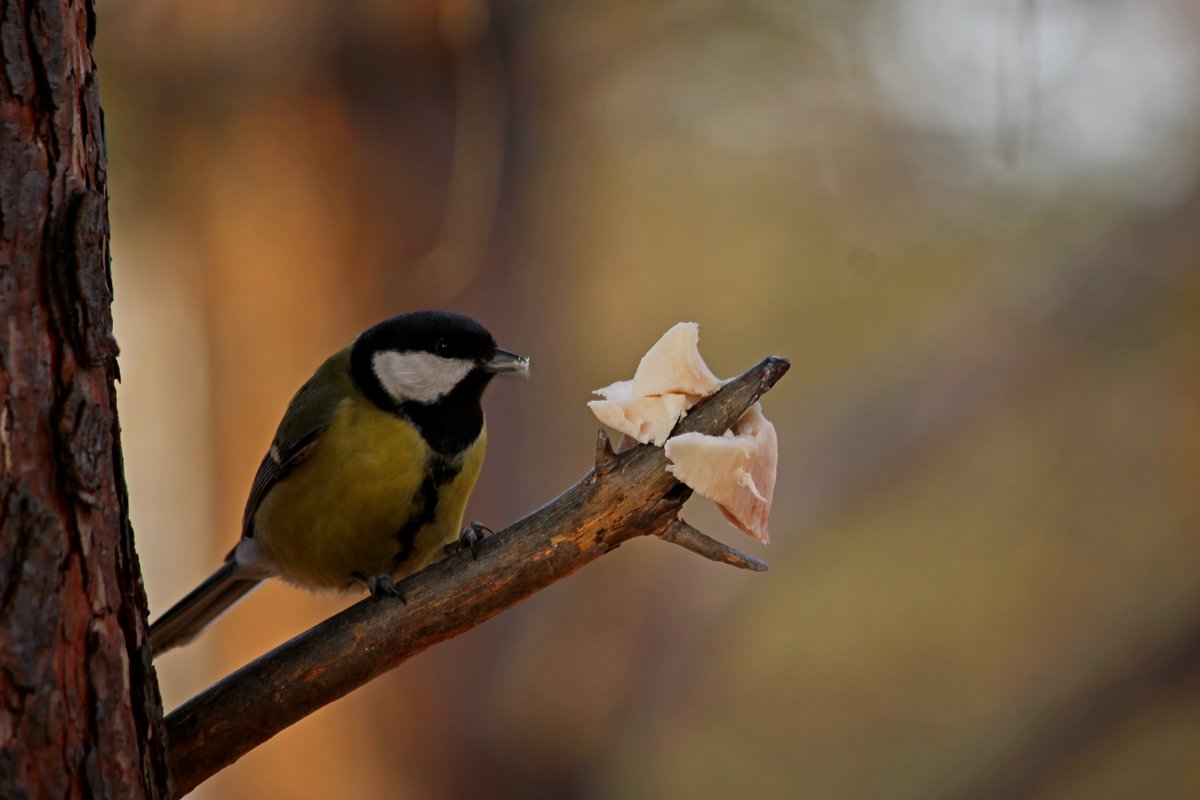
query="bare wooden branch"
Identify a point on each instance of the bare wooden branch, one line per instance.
(633, 495)
(687, 537)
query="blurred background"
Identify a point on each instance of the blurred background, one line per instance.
(974, 227)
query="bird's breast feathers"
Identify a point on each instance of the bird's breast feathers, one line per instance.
(373, 499)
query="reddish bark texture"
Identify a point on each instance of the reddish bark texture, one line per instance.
(79, 706)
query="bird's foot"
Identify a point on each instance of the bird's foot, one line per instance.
(469, 538)
(381, 586)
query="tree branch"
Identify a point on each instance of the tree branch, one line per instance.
(629, 494)
(687, 537)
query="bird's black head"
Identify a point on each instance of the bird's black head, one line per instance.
(432, 367)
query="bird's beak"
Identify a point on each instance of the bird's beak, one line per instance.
(504, 361)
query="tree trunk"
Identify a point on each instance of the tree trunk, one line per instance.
(79, 709)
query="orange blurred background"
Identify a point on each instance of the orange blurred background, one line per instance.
(973, 228)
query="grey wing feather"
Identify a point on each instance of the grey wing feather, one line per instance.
(279, 460)
(308, 417)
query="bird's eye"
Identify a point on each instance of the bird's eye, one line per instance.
(443, 348)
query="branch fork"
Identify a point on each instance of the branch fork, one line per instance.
(676, 531)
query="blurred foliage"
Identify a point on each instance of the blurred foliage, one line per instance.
(985, 541)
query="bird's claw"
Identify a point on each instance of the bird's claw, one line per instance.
(470, 537)
(381, 586)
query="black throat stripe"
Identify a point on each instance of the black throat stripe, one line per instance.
(449, 425)
(425, 501)
(452, 423)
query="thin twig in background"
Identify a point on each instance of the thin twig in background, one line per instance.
(1068, 727)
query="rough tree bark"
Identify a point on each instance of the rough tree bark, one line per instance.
(80, 713)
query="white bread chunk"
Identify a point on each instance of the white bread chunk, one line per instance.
(736, 470)
(671, 378)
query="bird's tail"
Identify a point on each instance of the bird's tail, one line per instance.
(184, 621)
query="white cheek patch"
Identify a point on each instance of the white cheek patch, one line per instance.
(420, 377)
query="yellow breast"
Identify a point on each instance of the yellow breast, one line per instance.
(371, 499)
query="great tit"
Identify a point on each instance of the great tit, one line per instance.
(369, 473)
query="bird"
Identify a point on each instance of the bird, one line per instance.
(367, 478)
